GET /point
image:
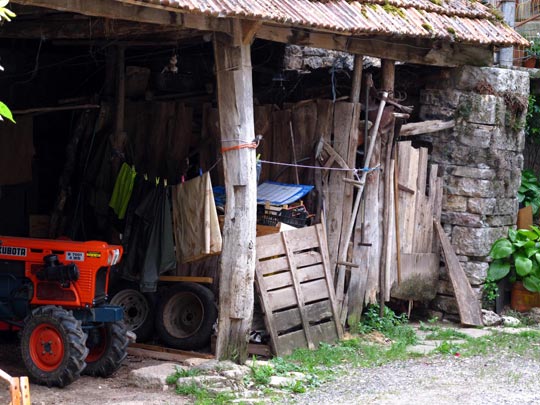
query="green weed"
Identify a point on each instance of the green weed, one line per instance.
(446, 334)
(180, 373)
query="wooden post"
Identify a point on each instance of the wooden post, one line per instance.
(235, 102)
(357, 78)
(388, 79)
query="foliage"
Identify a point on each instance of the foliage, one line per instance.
(261, 374)
(532, 125)
(181, 373)
(446, 334)
(534, 49)
(517, 256)
(529, 191)
(372, 320)
(203, 396)
(489, 293)
(447, 348)
(5, 14)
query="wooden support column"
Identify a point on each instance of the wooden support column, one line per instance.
(357, 78)
(388, 79)
(235, 102)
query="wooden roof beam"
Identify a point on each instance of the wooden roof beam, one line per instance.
(72, 28)
(416, 50)
(132, 12)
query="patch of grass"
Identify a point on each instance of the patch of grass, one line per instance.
(180, 373)
(524, 344)
(447, 348)
(261, 373)
(203, 396)
(446, 334)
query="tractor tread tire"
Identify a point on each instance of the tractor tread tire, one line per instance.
(201, 336)
(115, 352)
(75, 350)
(121, 296)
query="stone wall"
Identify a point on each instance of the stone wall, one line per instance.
(481, 160)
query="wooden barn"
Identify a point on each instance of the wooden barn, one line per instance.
(386, 115)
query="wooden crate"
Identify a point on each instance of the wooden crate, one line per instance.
(295, 287)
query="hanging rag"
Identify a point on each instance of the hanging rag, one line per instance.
(148, 236)
(123, 187)
(196, 225)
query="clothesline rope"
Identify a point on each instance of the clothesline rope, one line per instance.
(339, 169)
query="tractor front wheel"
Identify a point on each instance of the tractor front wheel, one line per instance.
(53, 346)
(108, 348)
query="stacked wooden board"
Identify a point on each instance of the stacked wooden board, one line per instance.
(419, 201)
(296, 289)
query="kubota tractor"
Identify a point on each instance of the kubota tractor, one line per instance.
(54, 292)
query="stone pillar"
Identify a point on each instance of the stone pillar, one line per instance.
(481, 160)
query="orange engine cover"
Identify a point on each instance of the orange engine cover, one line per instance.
(93, 259)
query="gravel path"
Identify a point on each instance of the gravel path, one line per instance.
(494, 379)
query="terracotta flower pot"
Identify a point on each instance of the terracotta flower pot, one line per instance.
(523, 300)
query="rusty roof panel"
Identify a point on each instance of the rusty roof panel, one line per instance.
(451, 20)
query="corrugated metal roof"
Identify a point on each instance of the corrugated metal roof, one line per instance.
(453, 20)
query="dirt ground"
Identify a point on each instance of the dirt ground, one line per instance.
(87, 390)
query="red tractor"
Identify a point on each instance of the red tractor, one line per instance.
(55, 292)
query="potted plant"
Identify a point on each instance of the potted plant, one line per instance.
(532, 53)
(518, 258)
(529, 199)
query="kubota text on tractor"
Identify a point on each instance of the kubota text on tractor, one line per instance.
(55, 292)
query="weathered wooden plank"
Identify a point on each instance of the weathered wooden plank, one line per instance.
(272, 245)
(301, 300)
(419, 277)
(285, 278)
(468, 305)
(235, 101)
(421, 51)
(135, 11)
(352, 119)
(281, 264)
(372, 228)
(281, 150)
(338, 191)
(421, 182)
(329, 280)
(324, 332)
(437, 208)
(290, 318)
(286, 297)
(425, 127)
(408, 166)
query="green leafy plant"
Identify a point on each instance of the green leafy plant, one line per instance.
(518, 257)
(180, 373)
(534, 49)
(529, 191)
(532, 123)
(490, 293)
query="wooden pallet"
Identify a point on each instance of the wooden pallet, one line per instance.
(296, 289)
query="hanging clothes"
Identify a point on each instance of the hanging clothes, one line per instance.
(148, 236)
(123, 188)
(196, 226)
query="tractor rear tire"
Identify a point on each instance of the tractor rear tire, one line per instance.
(107, 349)
(53, 346)
(138, 310)
(185, 316)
